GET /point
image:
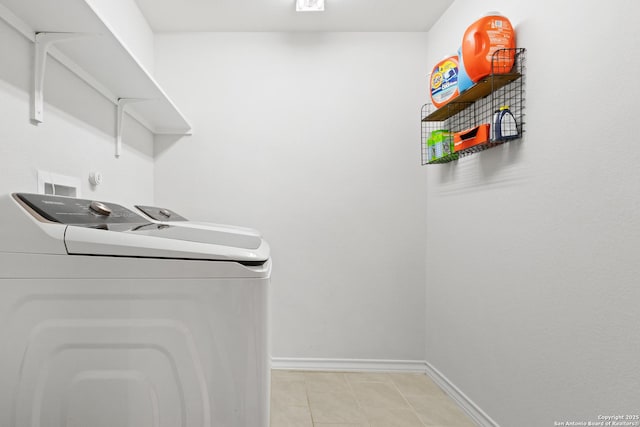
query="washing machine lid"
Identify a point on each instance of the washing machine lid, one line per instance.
(160, 214)
(109, 229)
(249, 237)
(161, 241)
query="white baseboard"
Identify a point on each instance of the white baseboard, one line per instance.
(352, 365)
(369, 365)
(467, 405)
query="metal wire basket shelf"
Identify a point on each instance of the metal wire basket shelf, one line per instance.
(475, 109)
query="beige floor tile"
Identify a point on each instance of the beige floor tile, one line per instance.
(335, 399)
(416, 384)
(365, 377)
(288, 393)
(439, 411)
(278, 375)
(340, 425)
(325, 381)
(392, 417)
(292, 416)
(378, 395)
(334, 407)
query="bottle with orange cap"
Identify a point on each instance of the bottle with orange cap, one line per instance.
(481, 40)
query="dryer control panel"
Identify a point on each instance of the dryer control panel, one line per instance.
(71, 211)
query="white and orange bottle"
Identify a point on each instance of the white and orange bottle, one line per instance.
(443, 84)
(481, 40)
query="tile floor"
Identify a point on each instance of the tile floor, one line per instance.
(343, 399)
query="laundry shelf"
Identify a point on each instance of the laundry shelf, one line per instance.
(465, 125)
(483, 88)
(98, 56)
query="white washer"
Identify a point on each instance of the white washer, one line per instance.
(108, 320)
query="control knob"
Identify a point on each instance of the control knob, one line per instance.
(100, 208)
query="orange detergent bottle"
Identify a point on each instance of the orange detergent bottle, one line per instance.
(443, 84)
(485, 36)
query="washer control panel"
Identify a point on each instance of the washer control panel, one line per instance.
(67, 210)
(161, 214)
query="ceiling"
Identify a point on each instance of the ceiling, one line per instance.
(280, 15)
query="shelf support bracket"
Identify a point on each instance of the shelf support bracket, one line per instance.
(122, 103)
(43, 42)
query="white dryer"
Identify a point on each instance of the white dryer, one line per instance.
(110, 320)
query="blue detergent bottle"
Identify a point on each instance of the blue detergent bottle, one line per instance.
(504, 125)
(464, 81)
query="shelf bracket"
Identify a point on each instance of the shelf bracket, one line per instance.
(43, 42)
(122, 103)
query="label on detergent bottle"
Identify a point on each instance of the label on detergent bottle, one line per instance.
(444, 81)
(500, 35)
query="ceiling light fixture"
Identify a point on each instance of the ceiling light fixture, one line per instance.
(309, 5)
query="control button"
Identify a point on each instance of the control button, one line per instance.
(165, 213)
(100, 208)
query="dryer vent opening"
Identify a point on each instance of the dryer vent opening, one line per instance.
(58, 185)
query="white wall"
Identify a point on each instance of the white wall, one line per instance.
(312, 138)
(77, 135)
(532, 292)
(128, 24)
